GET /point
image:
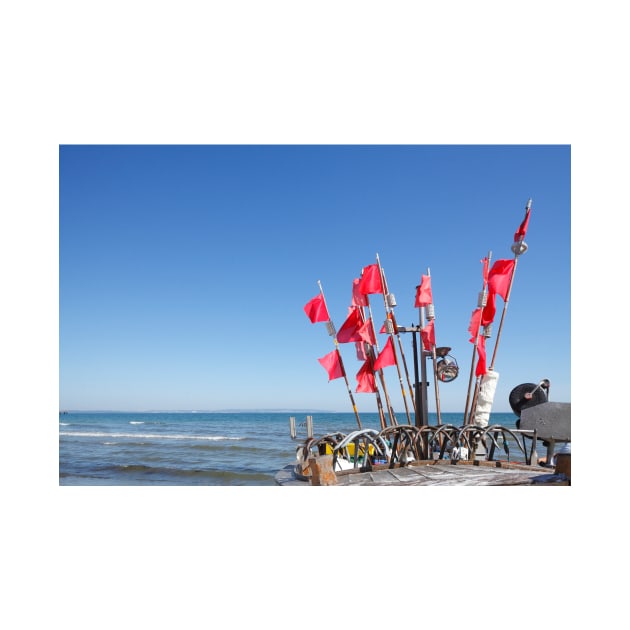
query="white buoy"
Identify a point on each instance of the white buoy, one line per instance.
(485, 398)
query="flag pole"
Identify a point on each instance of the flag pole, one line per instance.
(430, 311)
(422, 386)
(483, 296)
(392, 330)
(390, 411)
(367, 352)
(519, 247)
(333, 333)
(473, 406)
(370, 356)
(379, 402)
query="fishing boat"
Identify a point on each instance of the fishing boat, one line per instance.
(443, 455)
(416, 452)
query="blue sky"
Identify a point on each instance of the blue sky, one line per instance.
(184, 269)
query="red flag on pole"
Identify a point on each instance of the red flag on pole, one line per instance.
(473, 327)
(386, 357)
(481, 351)
(487, 316)
(365, 379)
(489, 310)
(428, 336)
(424, 295)
(519, 235)
(499, 277)
(332, 364)
(349, 330)
(367, 332)
(361, 354)
(358, 299)
(371, 280)
(316, 310)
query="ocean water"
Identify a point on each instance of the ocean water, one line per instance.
(190, 449)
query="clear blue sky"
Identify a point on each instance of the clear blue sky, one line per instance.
(184, 269)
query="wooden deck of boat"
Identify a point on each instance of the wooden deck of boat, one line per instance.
(441, 473)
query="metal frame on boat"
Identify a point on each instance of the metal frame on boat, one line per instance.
(506, 456)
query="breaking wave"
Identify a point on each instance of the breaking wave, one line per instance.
(147, 436)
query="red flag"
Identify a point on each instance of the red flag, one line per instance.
(365, 379)
(386, 357)
(481, 351)
(500, 276)
(358, 299)
(428, 336)
(316, 310)
(424, 295)
(489, 310)
(371, 280)
(367, 332)
(332, 364)
(473, 327)
(361, 354)
(349, 330)
(519, 235)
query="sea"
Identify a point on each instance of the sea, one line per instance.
(196, 449)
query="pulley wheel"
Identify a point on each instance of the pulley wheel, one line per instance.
(518, 402)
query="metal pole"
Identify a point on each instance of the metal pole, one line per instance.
(423, 388)
(423, 372)
(371, 354)
(417, 390)
(390, 410)
(481, 303)
(430, 310)
(518, 248)
(332, 332)
(391, 330)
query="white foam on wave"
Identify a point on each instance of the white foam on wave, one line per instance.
(147, 436)
(64, 424)
(136, 422)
